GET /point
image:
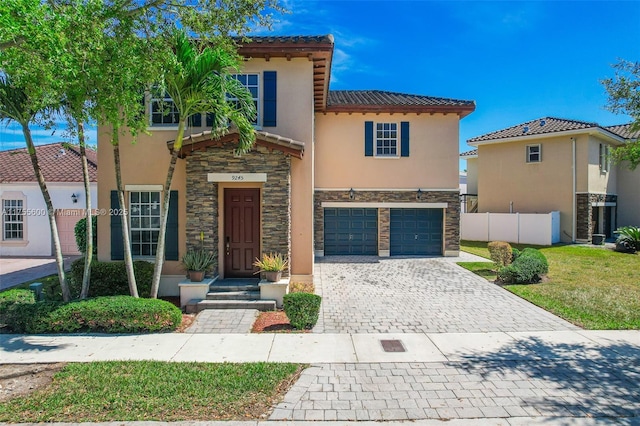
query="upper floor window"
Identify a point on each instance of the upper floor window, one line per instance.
(604, 157)
(163, 111)
(12, 220)
(386, 139)
(144, 209)
(252, 83)
(534, 153)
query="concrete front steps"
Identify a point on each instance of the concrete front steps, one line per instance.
(235, 294)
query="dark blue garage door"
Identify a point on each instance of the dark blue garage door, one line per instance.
(416, 232)
(350, 231)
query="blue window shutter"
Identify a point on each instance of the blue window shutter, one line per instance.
(196, 120)
(171, 241)
(368, 138)
(404, 139)
(269, 100)
(117, 247)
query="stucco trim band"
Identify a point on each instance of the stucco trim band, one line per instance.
(388, 189)
(143, 187)
(390, 205)
(236, 177)
(603, 204)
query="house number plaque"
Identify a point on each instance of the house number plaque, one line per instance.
(236, 177)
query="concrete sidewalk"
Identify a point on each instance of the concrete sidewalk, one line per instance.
(321, 348)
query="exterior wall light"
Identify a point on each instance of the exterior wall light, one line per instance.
(352, 194)
(74, 198)
(419, 194)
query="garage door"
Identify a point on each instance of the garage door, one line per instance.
(416, 232)
(350, 231)
(66, 221)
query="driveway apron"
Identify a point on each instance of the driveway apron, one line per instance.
(418, 295)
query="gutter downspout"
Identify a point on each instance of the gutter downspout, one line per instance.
(573, 182)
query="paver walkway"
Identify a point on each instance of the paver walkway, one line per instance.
(224, 321)
(427, 295)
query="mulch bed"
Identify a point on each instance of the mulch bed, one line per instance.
(274, 322)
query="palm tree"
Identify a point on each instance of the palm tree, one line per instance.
(201, 81)
(15, 105)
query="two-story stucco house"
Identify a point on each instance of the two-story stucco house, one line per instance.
(331, 173)
(554, 164)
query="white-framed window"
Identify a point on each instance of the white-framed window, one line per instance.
(534, 153)
(386, 140)
(12, 220)
(604, 157)
(252, 82)
(162, 111)
(144, 208)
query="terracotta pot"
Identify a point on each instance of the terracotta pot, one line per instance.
(273, 276)
(196, 276)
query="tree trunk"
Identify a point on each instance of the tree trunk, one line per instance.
(66, 294)
(157, 271)
(88, 257)
(128, 260)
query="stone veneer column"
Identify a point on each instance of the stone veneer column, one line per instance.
(451, 213)
(384, 231)
(203, 196)
(584, 213)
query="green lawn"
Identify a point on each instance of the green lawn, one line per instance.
(145, 390)
(594, 288)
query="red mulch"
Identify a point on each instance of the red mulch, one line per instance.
(274, 322)
(187, 319)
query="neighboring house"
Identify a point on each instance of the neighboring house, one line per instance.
(25, 225)
(331, 173)
(554, 164)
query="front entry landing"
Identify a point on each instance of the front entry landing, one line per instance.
(241, 231)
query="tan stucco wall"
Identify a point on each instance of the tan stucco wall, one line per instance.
(341, 163)
(599, 182)
(628, 185)
(146, 162)
(472, 175)
(505, 176)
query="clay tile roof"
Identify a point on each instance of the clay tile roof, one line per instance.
(624, 131)
(536, 127)
(289, 39)
(472, 153)
(380, 101)
(380, 97)
(59, 163)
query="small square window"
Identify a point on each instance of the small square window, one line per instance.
(386, 139)
(534, 154)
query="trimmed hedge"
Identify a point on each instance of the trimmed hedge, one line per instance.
(110, 278)
(116, 314)
(527, 268)
(302, 309)
(501, 253)
(11, 298)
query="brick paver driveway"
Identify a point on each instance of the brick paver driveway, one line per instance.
(418, 295)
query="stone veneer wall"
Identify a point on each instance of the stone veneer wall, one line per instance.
(451, 217)
(275, 197)
(584, 203)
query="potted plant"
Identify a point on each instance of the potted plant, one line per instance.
(272, 266)
(197, 263)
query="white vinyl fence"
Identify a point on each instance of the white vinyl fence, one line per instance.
(524, 228)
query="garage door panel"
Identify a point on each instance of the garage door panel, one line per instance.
(416, 232)
(350, 231)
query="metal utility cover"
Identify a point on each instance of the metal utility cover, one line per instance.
(392, 346)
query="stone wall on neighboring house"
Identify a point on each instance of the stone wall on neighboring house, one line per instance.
(275, 197)
(451, 216)
(584, 213)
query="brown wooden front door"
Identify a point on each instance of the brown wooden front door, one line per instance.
(241, 231)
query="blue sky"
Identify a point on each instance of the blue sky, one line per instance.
(518, 60)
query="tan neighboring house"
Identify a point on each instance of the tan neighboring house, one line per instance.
(331, 173)
(554, 164)
(25, 224)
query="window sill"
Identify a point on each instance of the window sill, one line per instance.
(387, 157)
(156, 128)
(150, 259)
(14, 243)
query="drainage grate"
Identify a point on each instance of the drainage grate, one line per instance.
(392, 346)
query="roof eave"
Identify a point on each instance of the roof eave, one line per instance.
(612, 137)
(461, 110)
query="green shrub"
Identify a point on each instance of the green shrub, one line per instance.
(514, 254)
(80, 231)
(110, 278)
(527, 268)
(500, 252)
(116, 314)
(628, 239)
(302, 309)
(11, 302)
